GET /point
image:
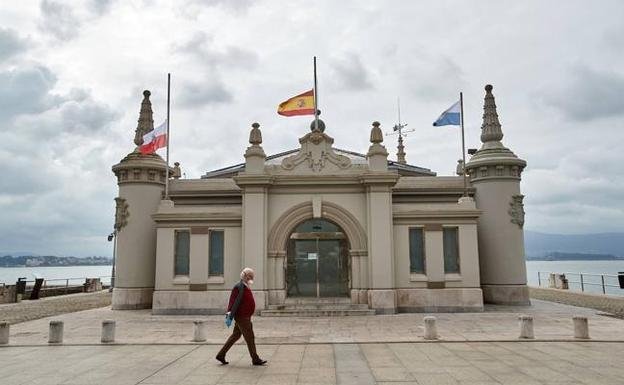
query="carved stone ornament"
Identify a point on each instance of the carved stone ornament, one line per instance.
(255, 136)
(146, 121)
(317, 153)
(121, 213)
(516, 210)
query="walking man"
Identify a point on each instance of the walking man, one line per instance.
(241, 307)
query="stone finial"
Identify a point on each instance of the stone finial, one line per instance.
(376, 135)
(459, 170)
(401, 151)
(255, 136)
(491, 128)
(177, 171)
(146, 120)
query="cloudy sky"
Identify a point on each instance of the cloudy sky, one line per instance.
(72, 73)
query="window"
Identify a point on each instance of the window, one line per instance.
(215, 256)
(417, 250)
(181, 252)
(451, 250)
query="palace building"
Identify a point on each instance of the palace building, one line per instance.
(322, 226)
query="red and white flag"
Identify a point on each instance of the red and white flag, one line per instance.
(155, 139)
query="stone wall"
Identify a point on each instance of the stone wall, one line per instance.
(607, 303)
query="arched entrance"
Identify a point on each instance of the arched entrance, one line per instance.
(317, 260)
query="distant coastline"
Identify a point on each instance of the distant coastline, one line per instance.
(561, 256)
(52, 261)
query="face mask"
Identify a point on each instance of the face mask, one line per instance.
(250, 282)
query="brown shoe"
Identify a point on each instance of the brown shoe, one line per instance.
(222, 360)
(259, 362)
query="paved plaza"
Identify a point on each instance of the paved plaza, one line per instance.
(475, 348)
(482, 363)
(498, 323)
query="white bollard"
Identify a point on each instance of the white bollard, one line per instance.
(526, 327)
(56, 332)
(431, 331)
(199, 331)
(108, 331)
(4, 333)
(581, 327)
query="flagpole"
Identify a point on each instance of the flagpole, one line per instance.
(167, 169)
(315, 99)
(461, 106)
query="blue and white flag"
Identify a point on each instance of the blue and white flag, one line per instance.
(449, 117)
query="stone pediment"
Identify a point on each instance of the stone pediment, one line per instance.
(316, 156)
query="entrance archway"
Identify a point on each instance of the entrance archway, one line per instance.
(317, 260)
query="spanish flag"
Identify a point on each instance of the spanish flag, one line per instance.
(302, 104)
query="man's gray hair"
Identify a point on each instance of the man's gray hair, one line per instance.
(246, 271)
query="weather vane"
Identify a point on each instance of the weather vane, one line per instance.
(400, 129)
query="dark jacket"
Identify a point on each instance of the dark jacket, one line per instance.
(242, 303)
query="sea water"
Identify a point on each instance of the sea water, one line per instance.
(9, 275)
(591, 283)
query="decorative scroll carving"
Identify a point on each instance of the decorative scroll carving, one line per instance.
(516, 210)
(317, 153)
(121, 213)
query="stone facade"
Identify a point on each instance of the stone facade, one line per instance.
(373, 204)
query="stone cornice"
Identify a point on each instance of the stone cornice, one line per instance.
(381, 178)
(198, 217)
(426, 214)
(137, 168)
(253, 180)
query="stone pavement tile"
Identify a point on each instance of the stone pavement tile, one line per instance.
(289, 353)
(380, 355)
(435, 379)
(398, 383)
(391, 374)
(281, 367)
(469, 373)
(349, 358)
(544, 373)
(273, 379)
(355, 378)
(515, 378)
(317, 375)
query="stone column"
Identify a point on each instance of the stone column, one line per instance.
(141, 180)
(254, 183)
(379, 182)
(495, 174)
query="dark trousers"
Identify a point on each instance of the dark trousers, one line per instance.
(244, 327)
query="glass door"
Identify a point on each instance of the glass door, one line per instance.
(317, 263)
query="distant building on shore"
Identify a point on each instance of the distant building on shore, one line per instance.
(320, 222)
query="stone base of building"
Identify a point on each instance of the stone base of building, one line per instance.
(132, 298)
(382, 301)
(214, 302)
(506, 294)
(448, 300)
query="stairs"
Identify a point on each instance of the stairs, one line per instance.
(317, 307)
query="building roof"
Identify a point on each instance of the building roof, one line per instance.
(355, 157)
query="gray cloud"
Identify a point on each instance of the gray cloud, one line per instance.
(11, 44)
(100, 7)
(231, 5)
(27, 91)
(58, 19)
(203, 92)
(350, 74)
(589, 95)
(202, 47)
